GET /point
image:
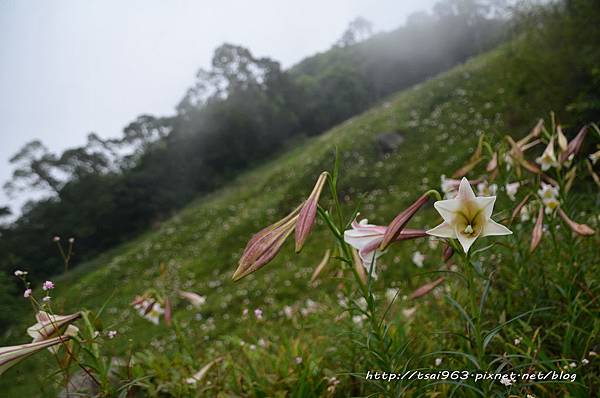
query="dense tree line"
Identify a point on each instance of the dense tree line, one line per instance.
(239, 112)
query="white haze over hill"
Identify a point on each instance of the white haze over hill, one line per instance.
(68, 68)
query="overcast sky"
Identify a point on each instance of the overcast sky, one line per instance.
(68, 68)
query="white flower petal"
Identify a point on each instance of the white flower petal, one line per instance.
(444, 230)
(466, 241)
(486, 204)
(465, 192)
(492, 228)
(447, 208)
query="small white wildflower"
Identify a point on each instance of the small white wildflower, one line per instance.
(27, 293)
(585, 361)
(418, 258)
(432, 242)
(390, 294)
(517, 341)
(46, 299)
(573, 365)
(438, 361)
(506, 381)
(409, 312)
(298, 360)
(111, 334)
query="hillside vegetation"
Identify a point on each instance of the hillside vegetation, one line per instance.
(302, 345)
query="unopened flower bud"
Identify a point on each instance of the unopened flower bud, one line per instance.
(265, 245)
(425, 289)
(394, 230)
(308, 213)
(580, 229)
(538, 230)
(575, 145)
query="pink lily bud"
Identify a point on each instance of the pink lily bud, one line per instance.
(570, 179)
(592, 172)
(447, 252)
(168, 312)
(320, 267)
(265, 245)
(538, 230)
(493, 164)
(410, 233)
(395, 228)
(426, 289)
(535, 132)
(562, 140)
(519, 207)
(575, 145)
(580, 229)
(472, 162)
(308, 213)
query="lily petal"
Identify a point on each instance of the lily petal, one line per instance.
(444, 230)
(492, 228)
(466, 241)
(465, 192)
(486, 204)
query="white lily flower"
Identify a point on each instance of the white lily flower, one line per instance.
(467, 217)
(12, 355)
(366, 238)
(48, 325)
(594, 157)
(549, 195)
(548, 159)
(148, 308)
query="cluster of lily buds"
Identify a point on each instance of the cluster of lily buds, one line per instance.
(150, 308)
(50, 331)
(265, 244)
(549, 200)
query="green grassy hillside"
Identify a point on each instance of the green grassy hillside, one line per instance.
(198, 250)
